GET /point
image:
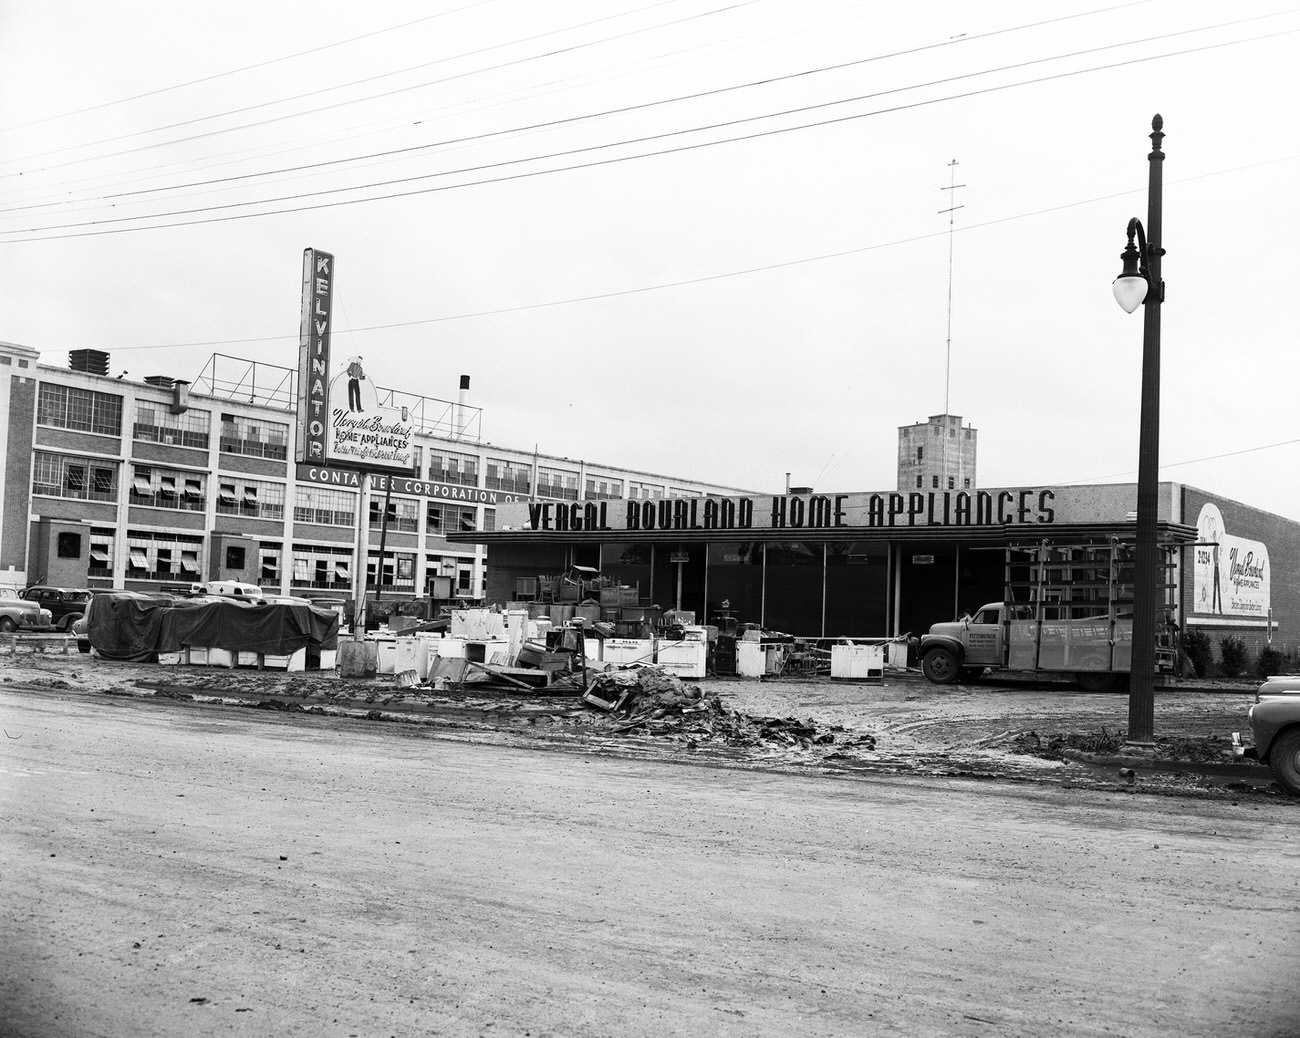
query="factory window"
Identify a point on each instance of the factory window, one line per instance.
(952, 482)
(453, 467)
(601, 487)
(251, 498)
(157, 487)
(155, 422)
(69, 545)
(63, 475)
(398, 570)
(320, 566)
(934, 482)
(162, 556)
(82, 409)
(234, 557)
(101, 552)
(324, 506)
(444, 519)
(920, 453)
(403, 514)
(269, 554)
(558, 483)
(511, 476)
(254, 437)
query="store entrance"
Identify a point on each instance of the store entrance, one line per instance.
(938, 581)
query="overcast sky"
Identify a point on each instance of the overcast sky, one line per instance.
(705, 238)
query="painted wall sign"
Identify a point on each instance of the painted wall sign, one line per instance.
(350, 479)
(314, 355)
(1231, 574)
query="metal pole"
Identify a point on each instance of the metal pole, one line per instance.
(383, 538)
(1148, 575)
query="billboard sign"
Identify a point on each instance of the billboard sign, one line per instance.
(1232, 574)
(341, 422)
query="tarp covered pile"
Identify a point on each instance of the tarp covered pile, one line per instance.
(651, 700)
(124, 625)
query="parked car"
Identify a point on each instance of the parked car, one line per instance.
(1275, 731)
(18, 613)
(66, 604)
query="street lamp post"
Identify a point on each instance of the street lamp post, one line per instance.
(1140, 283)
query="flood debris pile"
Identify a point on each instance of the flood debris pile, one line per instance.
(1107, 742)
(651, 701)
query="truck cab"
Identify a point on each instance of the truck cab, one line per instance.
(964, 646)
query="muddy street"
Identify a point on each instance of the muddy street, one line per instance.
(179, 869)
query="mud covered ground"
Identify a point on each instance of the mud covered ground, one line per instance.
(1014, 732)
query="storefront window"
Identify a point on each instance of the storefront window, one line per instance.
(857, 589)
(629, 565)
(794, 579)
(736, 581)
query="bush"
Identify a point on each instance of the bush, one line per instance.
(1196, 646)
(1232, 656)
(1271, 661)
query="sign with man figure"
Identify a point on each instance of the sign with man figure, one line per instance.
(341, 422)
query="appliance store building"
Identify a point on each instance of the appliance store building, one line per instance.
(885, 564)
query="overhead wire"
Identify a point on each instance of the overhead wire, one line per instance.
(226, 216)
(678, 99)
(372, 97)
(238, 71)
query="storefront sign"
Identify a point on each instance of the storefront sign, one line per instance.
(1231, 573)
(794, 512)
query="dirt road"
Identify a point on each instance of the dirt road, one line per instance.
(171, 869)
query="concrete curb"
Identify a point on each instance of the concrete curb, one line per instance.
(1244, 770)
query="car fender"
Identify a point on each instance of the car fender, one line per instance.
(1269, 718)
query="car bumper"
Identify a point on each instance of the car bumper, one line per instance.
(1240, 750)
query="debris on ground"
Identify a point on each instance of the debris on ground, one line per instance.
(651, 701)
(1104, 741)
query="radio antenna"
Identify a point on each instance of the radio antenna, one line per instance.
(952, 187)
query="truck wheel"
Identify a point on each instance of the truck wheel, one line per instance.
(940, 666)
(1284, 759)
(1095, 680)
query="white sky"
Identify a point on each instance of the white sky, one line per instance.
(727, 313)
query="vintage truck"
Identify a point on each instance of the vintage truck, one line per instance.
(1275, 731)
(1068, 611)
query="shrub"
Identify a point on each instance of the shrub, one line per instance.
(1232, 656)
(1271, 661)
(1196, 646)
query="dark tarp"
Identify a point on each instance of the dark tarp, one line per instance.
(124, 625)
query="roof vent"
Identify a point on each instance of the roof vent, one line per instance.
(93, 362)
(162, 381)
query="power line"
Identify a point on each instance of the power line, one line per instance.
(627, 109)
(704, 279)
(1189, 461)
(237, 71)
(372, 97)
(627, 142)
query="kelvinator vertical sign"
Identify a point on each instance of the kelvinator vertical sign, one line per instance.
(341, 421)
(314, 355)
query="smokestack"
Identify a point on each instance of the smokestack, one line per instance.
(462, 408)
